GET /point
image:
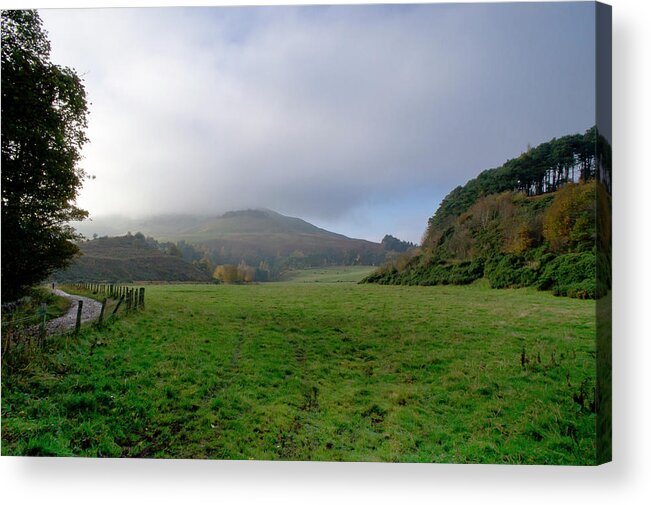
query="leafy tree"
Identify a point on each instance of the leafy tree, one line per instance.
(174, 250)
(391, 243)
(44, 115)
(245, 273)
(569, 224)
(226, 273)
(204, 264)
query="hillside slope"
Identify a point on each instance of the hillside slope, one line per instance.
(252, 236)
(126, 259)
(254, 221)
(542, 219)
(263, 235)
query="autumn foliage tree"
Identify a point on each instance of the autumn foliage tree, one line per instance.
(226, 273)
(569, 223)
(44, 114)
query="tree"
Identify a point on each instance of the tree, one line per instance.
(44, 116)
(245, 273)
(569, 223)
(204, 264)
(391, 243)
(226, 273)
(173, 250)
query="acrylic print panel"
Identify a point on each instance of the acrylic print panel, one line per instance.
(334, 233)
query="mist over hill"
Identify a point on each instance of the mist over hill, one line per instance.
(161, 226)
(199, 228)
(257, 235)
(261, 239)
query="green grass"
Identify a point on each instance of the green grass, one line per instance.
(29, 312)
(310, 371)
(328, 274)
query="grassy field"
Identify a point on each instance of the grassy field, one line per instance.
(328, 274)
(318, 371)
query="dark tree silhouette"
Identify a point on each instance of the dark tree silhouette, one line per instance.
(43, 122)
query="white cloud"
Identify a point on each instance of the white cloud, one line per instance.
(315, 112)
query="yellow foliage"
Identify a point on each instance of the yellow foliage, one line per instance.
(226, 273)
(521, 241)
(570, 219)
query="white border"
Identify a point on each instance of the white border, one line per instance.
(70, 481)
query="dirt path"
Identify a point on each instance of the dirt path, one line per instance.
(89, 312)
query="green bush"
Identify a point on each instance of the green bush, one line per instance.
(465, 272)
(510, 271)
(573, 275)
(584, 289)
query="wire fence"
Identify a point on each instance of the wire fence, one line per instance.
(10, 319)
(25, 331)
(110, 300)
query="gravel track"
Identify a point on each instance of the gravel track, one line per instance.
(89, 312)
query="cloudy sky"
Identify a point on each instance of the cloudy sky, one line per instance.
(359, 119)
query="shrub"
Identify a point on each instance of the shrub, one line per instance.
(509, 271)
(573, 275)
(465, 272)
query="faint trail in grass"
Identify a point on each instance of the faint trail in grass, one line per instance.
(238, 346)
(292, 440)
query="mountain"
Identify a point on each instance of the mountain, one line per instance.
(126, 259)
(256, 222)
(264, 235)
(253, 236)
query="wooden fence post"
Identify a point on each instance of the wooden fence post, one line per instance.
(78, 323)
(142, 298)
(101, 312)
(118, 305)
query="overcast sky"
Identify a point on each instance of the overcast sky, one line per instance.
(359, 119)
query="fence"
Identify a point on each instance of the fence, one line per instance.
(27, 330)
(35, 328)
(134, 298)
